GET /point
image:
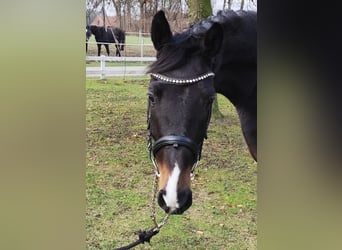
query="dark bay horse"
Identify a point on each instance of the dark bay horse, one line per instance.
(216, 55)
(105, 37)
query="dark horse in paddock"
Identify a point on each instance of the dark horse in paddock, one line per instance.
(105, 37)
(216, 55)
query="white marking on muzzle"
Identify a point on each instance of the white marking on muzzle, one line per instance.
(171, 189)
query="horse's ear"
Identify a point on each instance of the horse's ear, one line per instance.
(212, 40)
(160, 30)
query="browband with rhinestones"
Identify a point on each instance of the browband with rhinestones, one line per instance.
(169, 80)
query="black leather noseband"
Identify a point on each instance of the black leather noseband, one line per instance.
(175, 141)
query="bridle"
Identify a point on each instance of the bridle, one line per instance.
(175, 140)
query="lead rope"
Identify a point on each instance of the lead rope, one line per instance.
(153, 215)
(145, 236)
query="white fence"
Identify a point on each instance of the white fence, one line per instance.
(103, 59)
(137, 44)
(104, 71)
(139, 50)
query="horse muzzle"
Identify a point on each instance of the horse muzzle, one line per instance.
(183, 201)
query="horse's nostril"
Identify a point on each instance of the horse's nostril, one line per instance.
(161, 200)
(184, 201)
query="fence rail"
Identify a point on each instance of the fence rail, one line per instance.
(105, 59)
(104, 71)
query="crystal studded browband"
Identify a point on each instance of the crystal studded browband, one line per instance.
(176, 81)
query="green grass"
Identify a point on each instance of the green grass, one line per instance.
(136, 39)
(119, 177)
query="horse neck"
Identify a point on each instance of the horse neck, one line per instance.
(239, 86)
(245, 103)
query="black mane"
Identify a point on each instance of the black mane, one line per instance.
(184, 45)
(175, 54)
(223, 17)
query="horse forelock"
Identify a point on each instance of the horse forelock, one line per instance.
(175, 54)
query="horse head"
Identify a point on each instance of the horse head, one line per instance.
(121, 36)
(180, 95)
(88, 33)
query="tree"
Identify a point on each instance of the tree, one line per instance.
(198, 10)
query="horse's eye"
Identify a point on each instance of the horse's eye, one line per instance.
(151, 98)
(211, 100)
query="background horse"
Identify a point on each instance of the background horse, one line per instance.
(217, 55)
(105, 37)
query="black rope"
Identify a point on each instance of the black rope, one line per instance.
(144, 236)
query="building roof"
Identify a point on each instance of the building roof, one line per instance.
(110, 21)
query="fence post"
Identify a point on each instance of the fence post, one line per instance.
(103, 67)
(141, 38)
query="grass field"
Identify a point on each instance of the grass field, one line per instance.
(119, 177)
